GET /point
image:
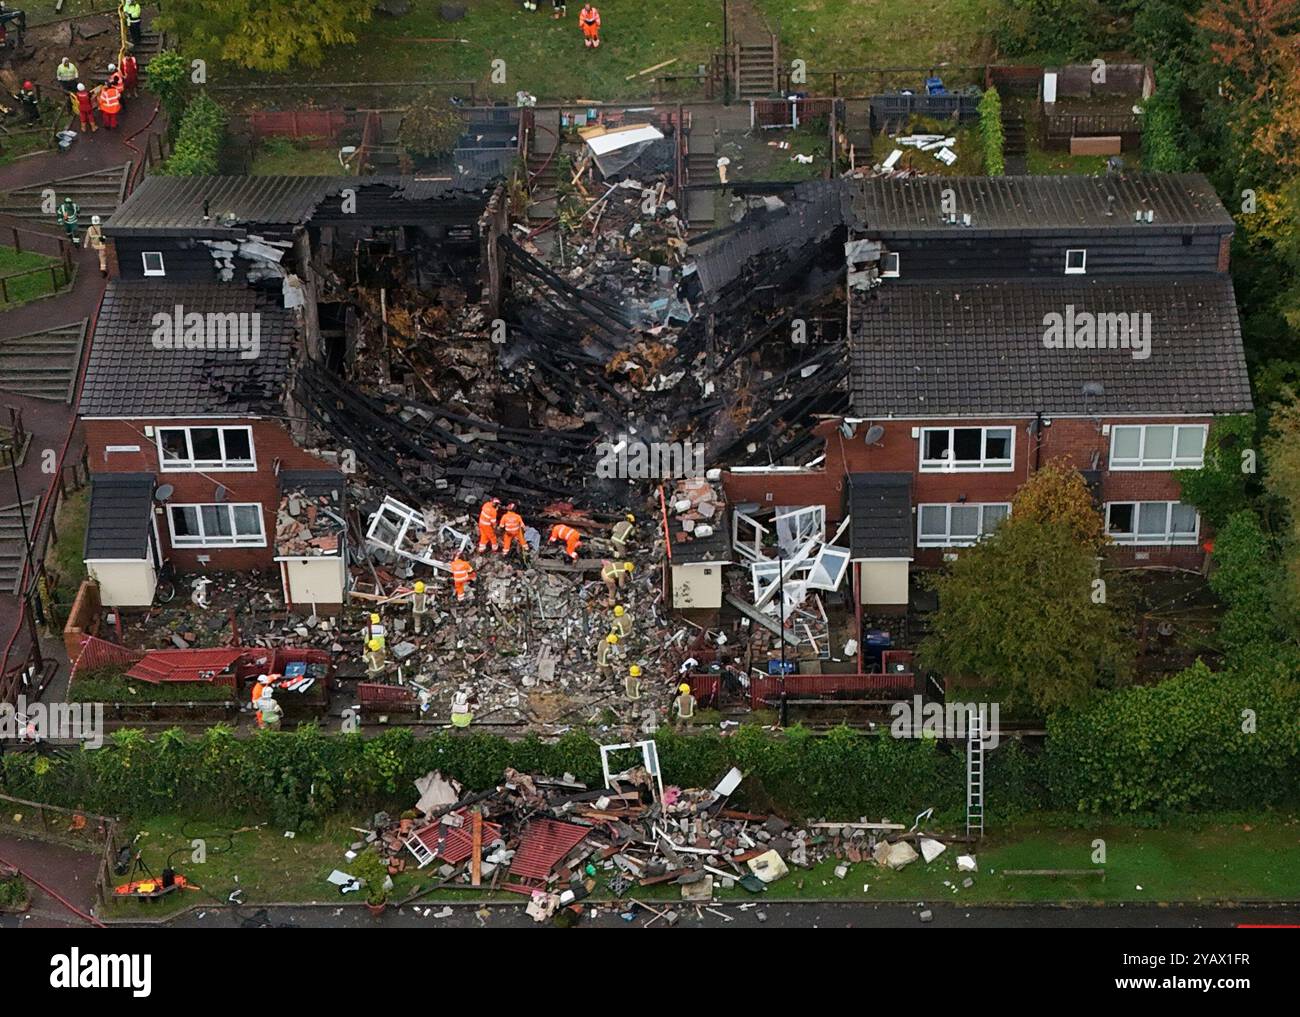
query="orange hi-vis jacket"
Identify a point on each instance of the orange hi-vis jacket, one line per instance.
(487, 515)
(589, 17)
(512, 522)
(568, 534)
(461, 571)
(109, 99)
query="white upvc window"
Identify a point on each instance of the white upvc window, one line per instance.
(957, 525)
(1076, 261)
(153, 263)
(1152, 522)
(967, 448)
(217, 525)
(890, 265)
(1157, 446)
(205, 448)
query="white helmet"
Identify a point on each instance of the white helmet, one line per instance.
(94, 220)
(80, 87)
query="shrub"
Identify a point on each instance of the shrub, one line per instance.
(168, 77)
(990, 110)
(1163, 147)
(198, 143)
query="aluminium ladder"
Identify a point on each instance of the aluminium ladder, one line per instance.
(975, 773)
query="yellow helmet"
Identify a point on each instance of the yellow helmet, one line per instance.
(419, 587)
(635, 670)
(611, 639)
(684, 689)
(619, 612)
(374, 644)
(628, 566)
(630, 518)
(374, 619)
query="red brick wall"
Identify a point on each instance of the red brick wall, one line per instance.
(270, 442)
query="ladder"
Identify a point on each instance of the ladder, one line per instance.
(975, 772)
(419, 849)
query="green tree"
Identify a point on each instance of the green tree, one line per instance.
(168, 77)
(431, 127)
(1281, 448)
(264, 35)
(1225, 484)
(1057, 493)
(1247, 578)
(991, 132)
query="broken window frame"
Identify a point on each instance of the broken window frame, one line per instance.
(810, 523)
(754, 553)
(405, 517)
(649, 759)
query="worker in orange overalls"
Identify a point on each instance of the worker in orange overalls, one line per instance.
(461, 573)
(110, 105)
(512, 529)
(487, 525)
(571, 537)
(589, 19)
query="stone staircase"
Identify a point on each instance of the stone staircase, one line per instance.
(43, 365)
(1015, 145)
(756, 64)
(12, 547)
(543, 163)
(98, 193)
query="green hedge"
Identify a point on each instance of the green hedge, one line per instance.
(1163, 147)
(198, 143)
(991, 136)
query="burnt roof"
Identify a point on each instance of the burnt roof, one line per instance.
(127, 376)
(1069, 204)
(977, 349)
(121, 509)
(881, 507)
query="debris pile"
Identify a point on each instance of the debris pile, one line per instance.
(307, 526)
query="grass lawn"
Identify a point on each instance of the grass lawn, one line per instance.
(41, 12)
(27, 287)
(1198, 858)
(281, 157)
(64, 559)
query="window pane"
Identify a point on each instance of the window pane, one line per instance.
(248, 520)
(1160, 443)
(934, 520)
(173, 445)
(206, 444)
(997, 443)
(1120, 518)
(1152, 517)
(185, 520)
(238, 448)
(216, 521)
(1191, 443)
(966, 443)
(936, 444)
(1183, 520)
(993, 514)
(965, 521)
(1127, 443)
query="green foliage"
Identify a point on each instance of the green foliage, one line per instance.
(1019, 609)
(1248, 579)
(370, 868)
(198, 143)
(168, 77)
(991, 132)
(13, 893)
(263, 35)
(1223, 485)
(1061, 29)
(431, 127)
(1163, 134)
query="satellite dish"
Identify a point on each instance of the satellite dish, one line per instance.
(220, 494)
(847, 429)
(163, 492)
(874, 433)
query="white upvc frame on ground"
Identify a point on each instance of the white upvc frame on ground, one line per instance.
(191, 464)
(983, 525)
(207, 519)
(948, 464)
(1145, 457)
(1144, 516)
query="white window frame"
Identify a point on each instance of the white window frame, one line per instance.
(890, 273)
(1167, 539)
(162, 264)
(234, 540)
(1083, 267)
(1142, 463)
(948, 540)
(982, 465)
(192, 465)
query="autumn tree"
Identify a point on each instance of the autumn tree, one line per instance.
(263, 35)
(1057, 493)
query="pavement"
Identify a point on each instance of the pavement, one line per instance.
(68, 872)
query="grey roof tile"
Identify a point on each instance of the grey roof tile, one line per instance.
(121, 508)
(881, 507)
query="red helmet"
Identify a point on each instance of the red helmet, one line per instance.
(27, 84)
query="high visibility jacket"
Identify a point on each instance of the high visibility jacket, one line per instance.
(67, 213)
(623, 625)
(602, 655)
(132, 10)
(622, 531)
(487, 515)
(609, 570)
(512, 522)
(109, 100)
(461, 570)
(66, 72)
(84, 105)
(566, 533)
(590, 16)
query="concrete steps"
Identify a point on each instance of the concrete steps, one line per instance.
(43, 365)
(98, 193)
(756, 69)
(12, 547)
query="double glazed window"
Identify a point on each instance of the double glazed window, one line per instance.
(219, 525)
(966, 448)
(1152, 522)
(206, 448)
(1157, 446)
(957, 525)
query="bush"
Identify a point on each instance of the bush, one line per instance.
(198, 143)
(1248, 579)
(991, 132)
(1222, 486)
(1163, 145)
(168, 77)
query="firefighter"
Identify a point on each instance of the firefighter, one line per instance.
(622, 625)
(611, 574)
(684, 704)
(85, 108)
(66, 216)
(571, 537)
(461, 715)
(114, 77)
(133, 14)
(487, 525)
(375, 629)
(512, 530)
(461, 573)
(95, 241)
(419, 607)
(110, 105)
(130, 75)
(375, 659)
(632, 684)
(30, 104)
(269, 711)
(605, 654)
(589, 21)
(622, 534)
(66, 73)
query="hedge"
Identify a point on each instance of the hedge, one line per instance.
(991, 136)
(199, 140)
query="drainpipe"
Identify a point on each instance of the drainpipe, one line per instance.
(1038, 435)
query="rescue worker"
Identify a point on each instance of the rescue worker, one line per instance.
(461, 573)
(622, 625)
(632, 684)
(130, 75)
(419, 607)
(375, 629)
(589, 20)
(30, 103)
(571, 537)
(605, 654)
(622, 534)
(113, 76)
(512, 530)
(461, 716)
(487, 525)
(66, 216)
(684, 704)
(611, 574)
(95, 241)
(133, 14)
(559, 9)
(66, 73)
(85, 108)
(261, 685)
(110, 105)
(270, 711)
(375, 659)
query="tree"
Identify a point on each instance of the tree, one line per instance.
(1224, 484)
(1247, 578)
(1057, 493)
(167, 77)
(1281, 448)
(1024, 610)
(431, 127)
(263, 35)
